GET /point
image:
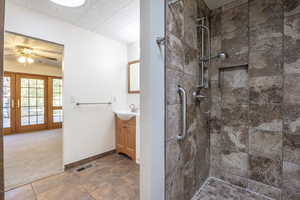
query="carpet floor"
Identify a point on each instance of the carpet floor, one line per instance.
(32, 156)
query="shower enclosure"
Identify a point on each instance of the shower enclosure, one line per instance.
(232, 100)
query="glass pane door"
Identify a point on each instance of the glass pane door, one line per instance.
(56, 111)
(31, 103)
(6, 102)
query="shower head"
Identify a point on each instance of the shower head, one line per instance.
(221, 55)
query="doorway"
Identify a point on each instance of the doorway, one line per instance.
(32, 109)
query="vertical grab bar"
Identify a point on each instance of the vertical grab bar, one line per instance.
(182, 94)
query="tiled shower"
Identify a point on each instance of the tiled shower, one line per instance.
(245, 131)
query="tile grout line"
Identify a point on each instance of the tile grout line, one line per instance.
(34, 192)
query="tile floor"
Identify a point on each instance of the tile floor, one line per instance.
(214, 189)
(113, 177)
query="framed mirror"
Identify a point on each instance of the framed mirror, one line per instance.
(134, 77)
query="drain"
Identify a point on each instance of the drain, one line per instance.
(84, 167)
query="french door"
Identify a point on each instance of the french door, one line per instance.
(31, 97)
(31, 102)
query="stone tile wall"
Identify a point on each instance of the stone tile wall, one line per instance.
(255, 110)
(187, 161)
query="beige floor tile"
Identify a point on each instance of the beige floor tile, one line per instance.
(21, 193)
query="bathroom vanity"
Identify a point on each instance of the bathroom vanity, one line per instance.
(126, 135)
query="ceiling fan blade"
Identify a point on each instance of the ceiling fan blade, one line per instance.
(48, 51)
(45, 57)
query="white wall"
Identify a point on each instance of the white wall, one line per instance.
(34, 68)
(133, 53)
(92, 64)
(152, 101)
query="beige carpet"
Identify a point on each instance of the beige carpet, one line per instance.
(32, 156)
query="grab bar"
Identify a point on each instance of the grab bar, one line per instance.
(95, 103)
(182, 93)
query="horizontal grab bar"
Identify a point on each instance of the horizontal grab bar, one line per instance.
(95, 103)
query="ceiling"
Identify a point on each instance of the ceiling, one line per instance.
(117, 19)
(41, 51)
(212, 4)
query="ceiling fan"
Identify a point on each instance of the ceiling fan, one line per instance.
(27, 54)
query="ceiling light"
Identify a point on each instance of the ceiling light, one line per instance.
(30, 60)
(69, 3)
(22, 59)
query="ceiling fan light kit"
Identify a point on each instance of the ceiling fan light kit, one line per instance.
(22, 59)
(69, 3)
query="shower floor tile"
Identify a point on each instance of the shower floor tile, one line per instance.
(215, 189)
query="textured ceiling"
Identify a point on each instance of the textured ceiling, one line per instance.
(41, 51)
(117, 19)
(212, 4)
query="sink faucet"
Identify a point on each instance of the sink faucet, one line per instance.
(133, 108)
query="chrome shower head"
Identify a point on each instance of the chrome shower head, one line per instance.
(222, 56)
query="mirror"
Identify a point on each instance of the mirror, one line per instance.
(134, 77)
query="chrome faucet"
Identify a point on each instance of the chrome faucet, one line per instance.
(133, 108)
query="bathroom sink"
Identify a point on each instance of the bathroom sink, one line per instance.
(125, 115)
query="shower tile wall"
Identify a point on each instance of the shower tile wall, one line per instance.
(187, 161)
(255, 96)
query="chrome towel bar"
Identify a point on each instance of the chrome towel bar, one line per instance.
(95, 103)
(182, 94)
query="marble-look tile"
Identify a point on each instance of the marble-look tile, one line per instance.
(291, 148)
(291, 89)
(175, 20)
(235, 115)
(235, 138)
(215, 161)
(291, 7)
(190, 23)
(264, 189)
(191, 64)
(215, 189)
(235, 180)
(266, 117)
(236, 163)
(235, 19)
(215, 21)
(234, 4)
(291, 119)
(21, 193)
(265, 170)
(175, 185)
(266, 89)
(265, 143)
(235, 44)
(291, 181)
(173, 121)
(215, 64)
(292, 44)
(215, 109)
(174, 53)
(265, 12)
(266, 50)
(174, 157)
(173, 79)
(234, 85)
(189, 84)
